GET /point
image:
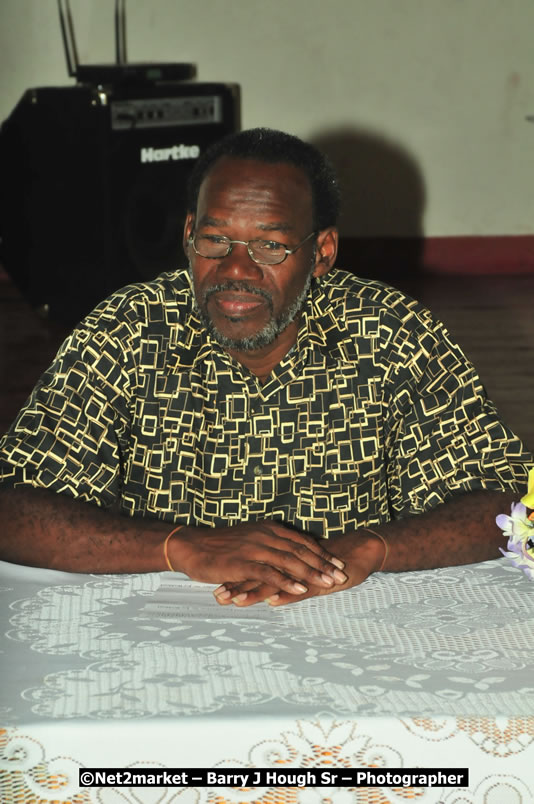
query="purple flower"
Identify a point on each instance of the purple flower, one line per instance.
(520, 532)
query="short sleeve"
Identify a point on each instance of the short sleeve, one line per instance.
(71, 435)
(444, 436)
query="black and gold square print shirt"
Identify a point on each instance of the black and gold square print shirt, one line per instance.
(374, 414)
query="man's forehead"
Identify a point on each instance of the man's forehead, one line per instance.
(233, 169)
(283, 181)
(274, 226)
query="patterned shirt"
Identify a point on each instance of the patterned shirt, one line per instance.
(374, 414)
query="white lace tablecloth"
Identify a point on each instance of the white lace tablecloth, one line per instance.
(424, 669)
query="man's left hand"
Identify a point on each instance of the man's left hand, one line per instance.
(362, 553)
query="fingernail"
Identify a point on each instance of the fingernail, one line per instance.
(340, 577)
(298, 587)
(327, 579)
(239, 598)
(337, 562)
(272, 600)
(224, 595)
(220, 591)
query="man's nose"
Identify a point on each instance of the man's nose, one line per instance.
(238, 264)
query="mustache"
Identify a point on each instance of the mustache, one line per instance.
(239, 286)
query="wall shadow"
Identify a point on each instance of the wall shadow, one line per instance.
(383, 204)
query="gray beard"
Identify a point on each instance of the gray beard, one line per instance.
(268, 333)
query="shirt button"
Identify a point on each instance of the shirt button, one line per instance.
(257, 470)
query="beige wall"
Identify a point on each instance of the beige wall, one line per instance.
(421, 103)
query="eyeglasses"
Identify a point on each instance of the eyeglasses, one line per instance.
(264, 252)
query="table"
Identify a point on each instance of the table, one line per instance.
(421, 669)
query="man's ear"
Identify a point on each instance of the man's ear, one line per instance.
(326, 244)
(188, 228)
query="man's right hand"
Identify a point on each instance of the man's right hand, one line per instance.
(265, 551)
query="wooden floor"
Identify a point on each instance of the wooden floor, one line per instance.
(491, 317)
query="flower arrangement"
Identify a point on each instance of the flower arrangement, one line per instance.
(519, 527)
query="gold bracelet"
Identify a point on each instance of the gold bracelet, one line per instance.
(386, 547)
(166, 547)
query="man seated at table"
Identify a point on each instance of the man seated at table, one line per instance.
(227, 419)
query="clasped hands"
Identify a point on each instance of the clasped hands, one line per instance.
(267, 561)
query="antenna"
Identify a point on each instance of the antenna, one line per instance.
(69, 39)
(120, 32)
(120, 73)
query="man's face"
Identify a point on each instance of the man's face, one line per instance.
(243, 304)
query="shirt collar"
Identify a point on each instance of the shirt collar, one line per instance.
(324, 327)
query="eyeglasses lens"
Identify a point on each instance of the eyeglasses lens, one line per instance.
(263, 251)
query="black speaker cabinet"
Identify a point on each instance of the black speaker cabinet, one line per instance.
(93, 187)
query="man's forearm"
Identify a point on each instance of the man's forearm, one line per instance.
(461, 531)
(43, 529)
